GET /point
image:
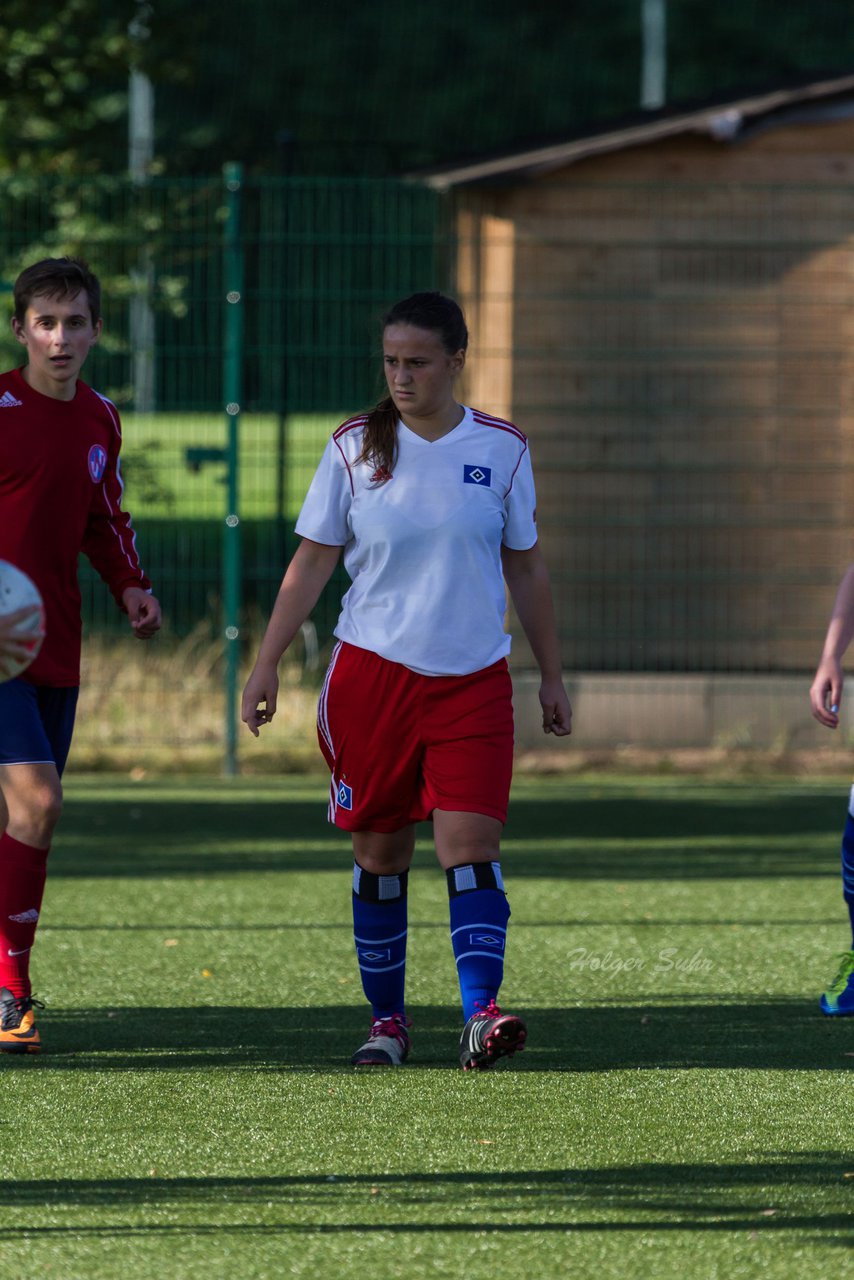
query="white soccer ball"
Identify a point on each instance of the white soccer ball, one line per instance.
(17, 591)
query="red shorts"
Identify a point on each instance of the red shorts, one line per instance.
(400, 744)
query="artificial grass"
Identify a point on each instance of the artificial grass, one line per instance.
(681, 1109)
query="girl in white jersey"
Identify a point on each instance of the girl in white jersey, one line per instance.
(433, 505)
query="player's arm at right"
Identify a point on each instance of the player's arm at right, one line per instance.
(826, 688)
(527, 578)
(307, 574)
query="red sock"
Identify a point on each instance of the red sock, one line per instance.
(23, 871)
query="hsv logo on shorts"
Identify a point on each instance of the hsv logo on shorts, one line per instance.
(97, 462)
(477, 475)
(344, 796)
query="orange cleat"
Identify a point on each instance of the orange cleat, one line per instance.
(18, 1030)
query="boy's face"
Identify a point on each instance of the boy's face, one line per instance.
(58, 334)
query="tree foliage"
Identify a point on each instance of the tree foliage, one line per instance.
(64, 187)
(337, 88)
(63, 81)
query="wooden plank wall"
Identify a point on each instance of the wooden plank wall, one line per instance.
(673, 328)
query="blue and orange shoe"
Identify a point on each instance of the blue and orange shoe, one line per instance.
(386, 1046)
(18, 1030)
(838, 999)
(489, 1035)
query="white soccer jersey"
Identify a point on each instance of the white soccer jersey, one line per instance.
(424, 548)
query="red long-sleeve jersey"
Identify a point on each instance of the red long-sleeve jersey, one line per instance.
(60, 494)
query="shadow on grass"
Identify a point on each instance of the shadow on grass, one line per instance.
(704, 1033)
(647, 1197)
(626, 834)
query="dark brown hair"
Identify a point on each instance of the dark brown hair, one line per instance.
(57, 278)
(442, 316)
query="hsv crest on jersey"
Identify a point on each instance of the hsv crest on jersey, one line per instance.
(477, 475)
(97, 462)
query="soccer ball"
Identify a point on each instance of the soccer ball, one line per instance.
(17, 591)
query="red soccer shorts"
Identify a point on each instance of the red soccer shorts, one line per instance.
(400, 745)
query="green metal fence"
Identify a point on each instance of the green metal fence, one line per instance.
(678, 354)
(241, 325)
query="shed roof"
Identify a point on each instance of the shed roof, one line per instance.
(723, 119)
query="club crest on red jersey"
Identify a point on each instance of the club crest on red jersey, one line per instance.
(97, 462)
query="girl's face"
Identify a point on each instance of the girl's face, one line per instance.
(418, 370)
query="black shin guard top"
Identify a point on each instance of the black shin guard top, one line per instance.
(474, 875)
(373, 888)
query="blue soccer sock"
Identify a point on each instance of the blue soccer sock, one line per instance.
(479, 915)
(379, 927)
(848, 867)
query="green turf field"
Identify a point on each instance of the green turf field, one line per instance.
(683, 1110)
(163, 481)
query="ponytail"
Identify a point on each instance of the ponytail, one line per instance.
(379, 440)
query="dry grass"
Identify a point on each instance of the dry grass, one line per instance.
(161, 707)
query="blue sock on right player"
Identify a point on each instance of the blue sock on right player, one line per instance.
(848, 869)
(380, 929)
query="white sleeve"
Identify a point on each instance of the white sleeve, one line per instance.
(520, 504)
(324, 516)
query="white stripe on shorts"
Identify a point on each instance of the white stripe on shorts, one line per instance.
(322, 718)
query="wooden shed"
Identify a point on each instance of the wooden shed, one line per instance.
(667, 308)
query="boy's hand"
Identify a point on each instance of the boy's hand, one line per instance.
(143, 612)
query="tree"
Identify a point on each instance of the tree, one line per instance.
(338, 88)
(63, 82)
(64, 187)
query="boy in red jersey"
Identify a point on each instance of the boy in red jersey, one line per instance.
(60, 494)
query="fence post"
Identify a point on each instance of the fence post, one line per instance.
(232, 393)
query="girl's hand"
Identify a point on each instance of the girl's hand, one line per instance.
(557, 712)
(259, 699)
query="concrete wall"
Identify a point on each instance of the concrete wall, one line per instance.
(769, 713)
